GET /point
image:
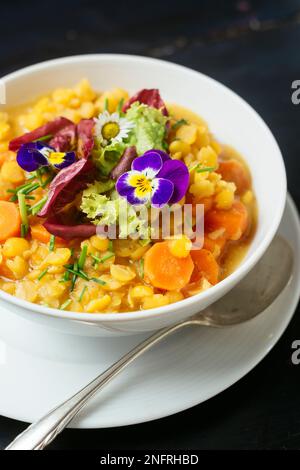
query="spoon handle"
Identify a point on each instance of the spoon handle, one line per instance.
(38, 435)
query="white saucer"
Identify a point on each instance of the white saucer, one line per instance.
(39, 368)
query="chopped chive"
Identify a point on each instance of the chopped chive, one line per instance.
(99, 281)
(74, 277)
(43, 273)
(82, 257)
(46, 182)
(39, 175)
(203, 170)
(23, 213)
(82, 293)
(65, 277)
(141, 268)
(52, 243)
(106, 104)
(77, 273)
(29, 190)
(111, 246)
(120, 105)
(65, 304)
(18, 188)
(179, 123)
(41, 139)
(96, 258)
(14, 198)
(38, 206)
(104, 258)
(24, 230)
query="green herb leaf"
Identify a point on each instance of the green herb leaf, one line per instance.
(82, 257)
(65, 304)
(103, 258)
(179, 123)
(140, 268)
(24, 214)
(77, 273)
(24, 230)
(43, 273)
(33, 210)
(52, 243)
(203, 170)
(74, 277)
(82, 293)
(41, 139)
(99, 281)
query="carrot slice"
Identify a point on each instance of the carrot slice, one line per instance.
(234, 221)
(10, 220)
(166, 271)
(233, 170)
(205, 266)
(40, 233)
(214, 246)
(2, 158)
(4, 186)
(6, 272)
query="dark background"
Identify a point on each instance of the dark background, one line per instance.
(254, 48)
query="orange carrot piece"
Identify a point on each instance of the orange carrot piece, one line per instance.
(2, 158)
(4, 194)
(10, 220)
(205, 266)
(206, 201)
(214, 246)
(40, 233)
(234, 221)
(166, 271)
(233, 170)
(6, 272)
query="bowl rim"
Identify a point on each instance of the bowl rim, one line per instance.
(234, 277)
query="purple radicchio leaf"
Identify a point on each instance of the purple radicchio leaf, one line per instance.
(124, 163)
(66, 185)
(50, 128)
(64, 140)
(150, 97)
(85, 137)
(56, 227)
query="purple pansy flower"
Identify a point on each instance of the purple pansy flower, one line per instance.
(34, 155)
(154, 178)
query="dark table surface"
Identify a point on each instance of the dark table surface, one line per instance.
(252, 47)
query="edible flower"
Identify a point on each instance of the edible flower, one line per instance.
(34, 155)
(154, 178)
(111, 128)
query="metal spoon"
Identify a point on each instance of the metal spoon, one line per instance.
(251, 296)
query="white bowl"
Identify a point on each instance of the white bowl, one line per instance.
(229, 117)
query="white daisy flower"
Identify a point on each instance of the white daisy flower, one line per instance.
(111, 128)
